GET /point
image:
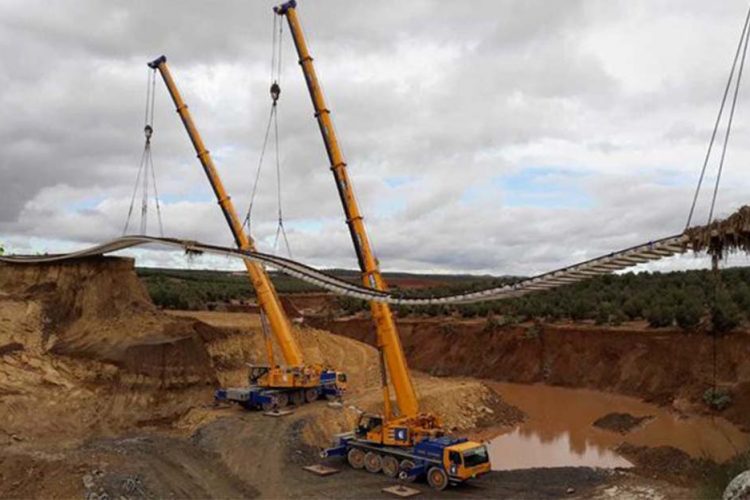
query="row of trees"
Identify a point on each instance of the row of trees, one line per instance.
(687, 299)
(197, 289)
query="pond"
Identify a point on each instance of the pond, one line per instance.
(559, 431)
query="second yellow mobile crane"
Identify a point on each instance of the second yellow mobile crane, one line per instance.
(402, 441)
(271, 386)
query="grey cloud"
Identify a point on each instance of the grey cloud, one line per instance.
(450, 95)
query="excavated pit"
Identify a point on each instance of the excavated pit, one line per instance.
(665, 367)
(100, 391)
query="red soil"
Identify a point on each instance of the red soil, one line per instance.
(665, 367)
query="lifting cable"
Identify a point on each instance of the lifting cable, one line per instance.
(273, 119)
(741, 49)
(146, 167)
(715, 259)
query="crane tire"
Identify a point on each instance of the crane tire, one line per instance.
(297, 398)
(406, 465)
(311, 395)
(390, 466)
(437, 478)
(356, 458)
(282, 399)
(373, 462)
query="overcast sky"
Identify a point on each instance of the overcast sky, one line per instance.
(503, 137)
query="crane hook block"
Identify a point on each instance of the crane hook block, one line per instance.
(148, 130)
(275, 91)
(284, 7)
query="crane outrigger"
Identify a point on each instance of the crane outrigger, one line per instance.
(402, 441)
(272, 385)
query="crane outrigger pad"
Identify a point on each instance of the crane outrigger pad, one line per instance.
(321, 470)
(278, 413)
(401, 491)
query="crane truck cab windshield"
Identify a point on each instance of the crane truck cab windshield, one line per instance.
(476, 456)
(466, 460)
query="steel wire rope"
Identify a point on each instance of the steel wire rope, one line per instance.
(730, 121)
(146, 164)
(743, 36)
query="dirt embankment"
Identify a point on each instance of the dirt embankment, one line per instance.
(85, 351)
(101, 393)
(665, 367)
(464, 404)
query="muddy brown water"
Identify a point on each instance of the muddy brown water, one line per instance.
(559, 430)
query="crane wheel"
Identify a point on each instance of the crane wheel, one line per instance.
(390, 466)
(282, 400)
(407, 465)
(297, 398)
(266, 406)
(373, 462)
(356, 458)
(311, 395)
(437, 478)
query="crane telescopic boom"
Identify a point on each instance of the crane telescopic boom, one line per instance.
(411, 444)
(268, 300)
(387, 334)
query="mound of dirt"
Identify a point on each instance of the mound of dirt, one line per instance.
(464, 404)
(620, 422)
(237, 339)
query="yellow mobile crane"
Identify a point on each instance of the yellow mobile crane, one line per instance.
(271, 386)
(401, 442)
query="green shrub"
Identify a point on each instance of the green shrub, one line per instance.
(718, 398)
(533, 332)
(494, 323)
(633, 308)
(618, 318)
(659, 315)
(725, 315)
(688, 313)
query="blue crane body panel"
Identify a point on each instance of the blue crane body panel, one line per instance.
(257, 397)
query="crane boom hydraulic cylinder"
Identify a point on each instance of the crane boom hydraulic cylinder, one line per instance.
(268, 300)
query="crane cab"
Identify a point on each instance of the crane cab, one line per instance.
(341, 382)
(370, 428)
(466, 460)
